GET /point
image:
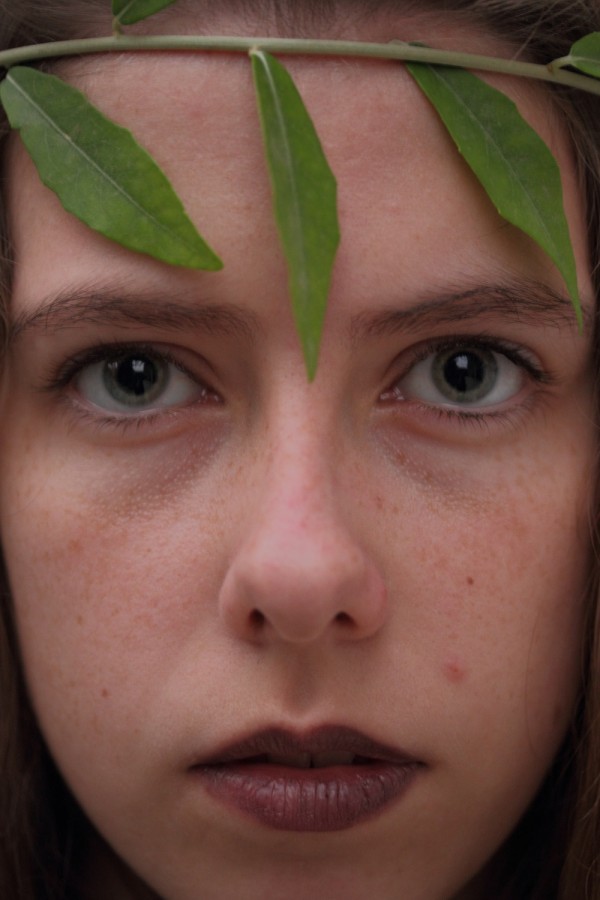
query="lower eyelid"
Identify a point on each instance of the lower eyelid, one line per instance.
(154, 421)
(451, 424)
(204, 398)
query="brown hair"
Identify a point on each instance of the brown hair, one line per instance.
(555, 851)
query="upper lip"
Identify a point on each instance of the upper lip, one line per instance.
(325, 745)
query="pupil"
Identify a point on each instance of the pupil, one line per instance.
(134, 375)
(464, 372)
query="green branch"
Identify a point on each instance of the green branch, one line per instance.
(395, 50)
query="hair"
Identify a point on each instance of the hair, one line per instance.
(554, 853)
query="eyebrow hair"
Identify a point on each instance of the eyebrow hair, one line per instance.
(529, 302)
(155, 309)
(526, 302)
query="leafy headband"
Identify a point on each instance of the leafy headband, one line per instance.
(103, 176)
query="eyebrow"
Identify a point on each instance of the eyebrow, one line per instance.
(528, 302)
(111, 307)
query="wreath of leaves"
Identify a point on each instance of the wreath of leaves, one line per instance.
(105, 178)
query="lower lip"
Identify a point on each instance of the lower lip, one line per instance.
(288, 799)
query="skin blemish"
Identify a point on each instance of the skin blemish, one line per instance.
(470, 581)
(454, 671)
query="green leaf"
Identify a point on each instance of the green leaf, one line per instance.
(99, 172)
(126, 12)
(305, 198)
(514, 165)
(585, 54)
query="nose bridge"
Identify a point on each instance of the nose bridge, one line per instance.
(299, 497)
(300, 476)
(301, 572)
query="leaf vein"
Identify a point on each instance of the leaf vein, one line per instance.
(292, 181)
(492, 142)
(105, 176)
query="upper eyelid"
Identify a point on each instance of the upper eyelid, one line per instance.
(517, 354)
(64, 372)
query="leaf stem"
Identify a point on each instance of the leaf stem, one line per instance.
(395, 50)
(557, 64)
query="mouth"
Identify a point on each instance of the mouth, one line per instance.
(328, 779)
(306, 760)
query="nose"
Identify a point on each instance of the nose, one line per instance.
(302, 574)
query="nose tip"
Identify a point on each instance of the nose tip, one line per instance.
(301, 585)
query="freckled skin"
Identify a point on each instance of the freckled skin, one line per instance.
(296, 554)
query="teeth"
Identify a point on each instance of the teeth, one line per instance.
(312, 760)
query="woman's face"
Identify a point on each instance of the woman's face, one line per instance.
(223, 574)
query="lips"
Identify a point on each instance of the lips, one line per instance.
(329, 779)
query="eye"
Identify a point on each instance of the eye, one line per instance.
(462, 376)
(134, 381)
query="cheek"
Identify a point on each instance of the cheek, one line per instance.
(491, 577)
(480, 568)
(114, 570)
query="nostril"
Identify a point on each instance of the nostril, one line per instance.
(257, 619)
(280, 591)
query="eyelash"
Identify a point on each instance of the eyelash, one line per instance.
(64, 374)
(514, 353)
(67, 371)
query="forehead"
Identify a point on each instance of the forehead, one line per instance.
(402, 184)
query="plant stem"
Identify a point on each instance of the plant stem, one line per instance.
(558, 64)
(395, 50)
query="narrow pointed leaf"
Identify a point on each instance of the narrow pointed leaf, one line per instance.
(585, 54)
(514, 165)
(99, 172)
(305, 198)
(126, 12)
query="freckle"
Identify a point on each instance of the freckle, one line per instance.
(454, 671)
(105, 692)
(470, 581)
(379, 502)
(80, 620)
